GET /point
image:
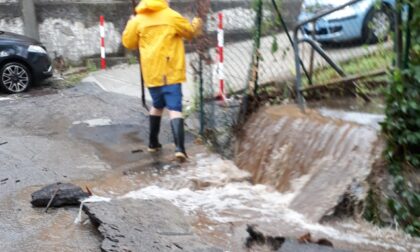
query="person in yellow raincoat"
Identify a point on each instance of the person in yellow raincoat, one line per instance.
(159, 33)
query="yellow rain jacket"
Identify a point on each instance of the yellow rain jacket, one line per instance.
(159, 33)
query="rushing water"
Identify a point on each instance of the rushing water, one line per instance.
(293, 169)
(221, 207)
(316, 156)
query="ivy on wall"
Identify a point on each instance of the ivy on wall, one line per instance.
(402, 124)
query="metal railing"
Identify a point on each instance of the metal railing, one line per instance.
(315, 46)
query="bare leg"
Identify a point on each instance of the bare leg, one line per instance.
(175, 114)
(156, 112)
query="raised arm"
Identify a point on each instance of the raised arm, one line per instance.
(186, 29)
(130, 38)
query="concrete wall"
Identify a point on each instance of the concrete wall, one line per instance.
(70, 28)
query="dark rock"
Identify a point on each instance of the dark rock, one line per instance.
(67, 194)
(143, 225)
(307, 238)
(257, 239)
(325, 242)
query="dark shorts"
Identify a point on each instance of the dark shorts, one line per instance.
(169, 96)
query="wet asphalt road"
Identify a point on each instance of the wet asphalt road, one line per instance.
(71, 135)
(44, 139)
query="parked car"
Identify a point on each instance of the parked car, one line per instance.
(23, 61)
(365, 20)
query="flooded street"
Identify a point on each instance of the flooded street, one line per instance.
(278, 181)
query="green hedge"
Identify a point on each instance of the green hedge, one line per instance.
(402, 125)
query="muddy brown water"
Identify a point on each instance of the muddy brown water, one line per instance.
(319, 156)
(279, 155)
(375, 106)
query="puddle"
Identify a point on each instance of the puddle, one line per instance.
(105, 133)
(6, 98)
(95, 122)
(114, 143)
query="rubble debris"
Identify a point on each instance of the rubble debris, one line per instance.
(137, 151)
(307, 238)
(51, 200)
(89, 192)
(304, 243)
(258, 238)
(65, 194)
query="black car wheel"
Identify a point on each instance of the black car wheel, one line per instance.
(15, 77)
(377, 25)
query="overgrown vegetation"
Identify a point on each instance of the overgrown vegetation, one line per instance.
(402, 127)
(374, 61)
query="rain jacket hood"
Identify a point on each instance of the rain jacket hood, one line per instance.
(151, 6)
(159, 33)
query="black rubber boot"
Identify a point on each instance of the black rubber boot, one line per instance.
(154, 144)
(177, 126)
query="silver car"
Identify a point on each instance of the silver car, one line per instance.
(367, 20)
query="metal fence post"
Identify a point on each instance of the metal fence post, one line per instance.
(407, 38)
(257, 41)
(202, 12)
(298, 83)
(286, 30)
(398, 35)
(201, 90)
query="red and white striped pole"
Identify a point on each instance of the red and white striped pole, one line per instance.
(220, 47)
(102, 33)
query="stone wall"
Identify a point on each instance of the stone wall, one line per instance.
(11, 16)
(70, 28)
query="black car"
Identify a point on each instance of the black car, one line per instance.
(23, 62)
